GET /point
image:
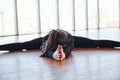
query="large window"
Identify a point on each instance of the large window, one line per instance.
(109, 13)
(66, 14)
(7, 18)
(92, 14)
(1, 23)
(27, 16)
(80, 14)
(48, 15)
(34, 16)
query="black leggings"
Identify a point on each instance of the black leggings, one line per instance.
(79, 42)
(82, 42)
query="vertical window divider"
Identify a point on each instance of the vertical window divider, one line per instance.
(74, 25)
(98, 14)
(16, 15)
(58, 16)
(86, 14)
(39, 16)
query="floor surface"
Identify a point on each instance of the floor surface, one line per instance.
(83, 64)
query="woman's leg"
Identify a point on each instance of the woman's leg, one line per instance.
(107, 43)
(29, 45)
(81, 42)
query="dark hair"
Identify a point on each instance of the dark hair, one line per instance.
(56, 37)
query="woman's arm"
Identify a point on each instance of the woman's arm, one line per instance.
(69, 47)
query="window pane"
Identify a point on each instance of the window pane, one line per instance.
(27, 16)
(109, 13)
(7, 17)
(1, 23)
(66, 14)
(48, 12)
(92, 14)
(80, 13)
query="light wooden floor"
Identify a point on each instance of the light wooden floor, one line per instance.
(83, 64)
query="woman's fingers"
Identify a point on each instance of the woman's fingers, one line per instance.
(58, 48)
(59, 53)
(56, 55)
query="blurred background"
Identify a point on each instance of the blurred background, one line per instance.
(39, 16)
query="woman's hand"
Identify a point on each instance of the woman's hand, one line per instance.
(59, 53)
(56, 55)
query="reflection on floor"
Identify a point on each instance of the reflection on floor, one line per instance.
(111, 34)
(83, 64)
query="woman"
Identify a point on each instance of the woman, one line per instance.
(58, 44)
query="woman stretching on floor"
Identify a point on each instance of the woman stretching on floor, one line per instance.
(58, 44)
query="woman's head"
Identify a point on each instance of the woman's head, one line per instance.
(56, 37)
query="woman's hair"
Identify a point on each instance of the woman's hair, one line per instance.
(56, 37)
